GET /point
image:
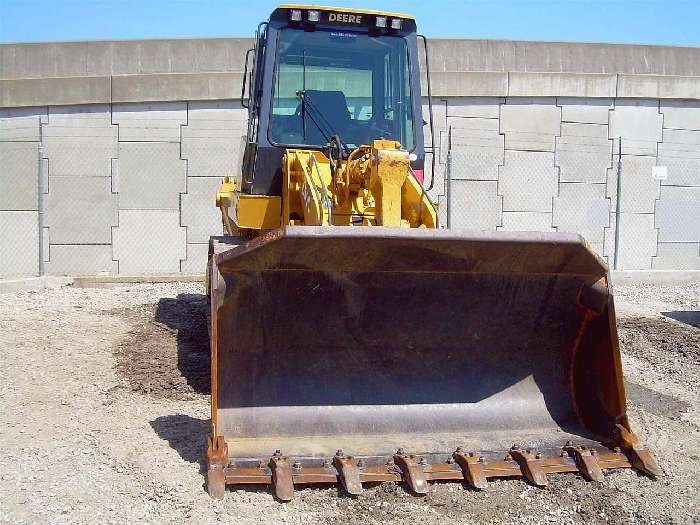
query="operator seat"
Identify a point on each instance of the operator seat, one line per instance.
(333, 107)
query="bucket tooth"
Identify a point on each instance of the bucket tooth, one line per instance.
(472, 468)
(412, 472)
(586, 461)
(348, 472)
(282, 482)
(217, 458)
(639, 456)
(531, 464)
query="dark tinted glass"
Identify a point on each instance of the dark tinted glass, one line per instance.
(357, 86)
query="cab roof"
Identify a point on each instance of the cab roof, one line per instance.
(346, 10)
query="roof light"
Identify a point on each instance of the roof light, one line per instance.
(295, 15)
(396, 23)
(381, 21)
(314, 16)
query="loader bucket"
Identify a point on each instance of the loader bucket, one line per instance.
(360, 354)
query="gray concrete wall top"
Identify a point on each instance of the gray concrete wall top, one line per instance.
(122, 57)
(55, 73)
(135, 57)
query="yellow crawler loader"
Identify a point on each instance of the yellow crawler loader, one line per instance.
(352, 340)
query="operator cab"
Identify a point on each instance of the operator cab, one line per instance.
(317, 75)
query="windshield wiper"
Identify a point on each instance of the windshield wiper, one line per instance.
(319, 120)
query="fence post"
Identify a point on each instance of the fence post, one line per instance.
(616, 262)
(40, 201)
(448, 177)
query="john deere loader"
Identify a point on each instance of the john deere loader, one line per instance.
(352, 340)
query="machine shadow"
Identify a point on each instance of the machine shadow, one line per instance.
(186, 435)
(689, 317)
(186, 315)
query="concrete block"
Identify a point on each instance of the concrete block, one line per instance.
(150, 122)
(477, 148)
(526, 221)
(175, 86)
(80, 210)
(19, 175)
(530, 126)
(476, 205)
(680, 153)
(528, 181)
(639, 189)
(19, 243)
(149, 241)
(216, 110)
(467, 83)
(678, 214)
(658, 86)
(151, 175)
(85, 156)
(474, 131)
(123, 57)
(682, 140)
(677, 256)
(211, 142)
(526, 84)
(585, 110)
(594, 136)
(638, 239)
(639, 123)
(54, 91)
(77, 259)
(474, 107)
(22, 124)
(681, 114)
(80, 140)
(77, 116)
(196, 261)
(583, 152)
(198, 212)
(680, 143)
(680, 171)
(475, 163)
(582, 209)
(582, 166)
(584, 138)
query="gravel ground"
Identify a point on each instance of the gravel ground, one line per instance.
(104, 403)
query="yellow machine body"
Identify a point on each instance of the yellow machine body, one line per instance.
(374, 187)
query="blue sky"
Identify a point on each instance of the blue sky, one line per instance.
(631, 21)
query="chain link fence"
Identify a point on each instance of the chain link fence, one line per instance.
(634, 210)
(134, 207)
(20, 204)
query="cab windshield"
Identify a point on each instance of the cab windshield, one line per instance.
(348, 84)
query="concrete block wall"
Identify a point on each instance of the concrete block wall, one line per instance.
(126, 188)
(20, 132)
(129, 188)
(551, 164)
